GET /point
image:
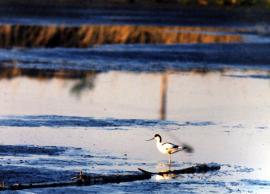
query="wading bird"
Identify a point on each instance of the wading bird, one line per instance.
(169, 148)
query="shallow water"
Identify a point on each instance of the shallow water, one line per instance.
(142, 58)
(100, 130)
(64, 110)
(232, 96)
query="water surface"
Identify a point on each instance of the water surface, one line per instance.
(100, 130)
(91, 108)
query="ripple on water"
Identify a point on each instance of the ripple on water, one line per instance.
(72, 121)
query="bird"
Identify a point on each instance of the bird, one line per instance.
(169, 148)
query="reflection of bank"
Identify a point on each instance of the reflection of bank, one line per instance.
(84, 80)
(9, 72)
(130, 95)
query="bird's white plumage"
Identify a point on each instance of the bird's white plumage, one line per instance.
(167, 148)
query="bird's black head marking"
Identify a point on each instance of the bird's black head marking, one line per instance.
(158, 136)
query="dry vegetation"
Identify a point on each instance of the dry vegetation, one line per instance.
(88, 35)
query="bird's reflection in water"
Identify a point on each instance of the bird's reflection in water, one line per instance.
(166, 176)
(165, 171)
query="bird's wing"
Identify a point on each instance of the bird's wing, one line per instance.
(184, 147)
(168, 146)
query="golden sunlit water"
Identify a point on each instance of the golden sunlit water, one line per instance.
(189, 96)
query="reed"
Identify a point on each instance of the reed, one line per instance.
(89, 35)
